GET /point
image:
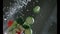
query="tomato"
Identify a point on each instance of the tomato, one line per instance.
(19, 32)
(10, 22)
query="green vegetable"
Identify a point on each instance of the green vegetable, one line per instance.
(29, 21)
(20, 21)
(36, 9)
(13, 26)
(26, 26)
(28, 31)
(14, 31)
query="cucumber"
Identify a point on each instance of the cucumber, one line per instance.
(28, 31)
(36, 9)
(29, 21)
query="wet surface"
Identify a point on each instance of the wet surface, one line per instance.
(45, 21)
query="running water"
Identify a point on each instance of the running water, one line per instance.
(13, 9)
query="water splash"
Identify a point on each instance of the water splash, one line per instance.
(13, 9)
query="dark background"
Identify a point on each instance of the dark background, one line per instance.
(46, 20)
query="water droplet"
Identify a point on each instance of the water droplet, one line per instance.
(24, 3)
(25, 7)
(40, 14)
(5, 33)
(10, 3)
(4, 8)
(33, 3)
(28, 0)
(22, 14)
(5, 19)
(21, 10)
(7, 7)
(51, 24)
(27, 10)
(36, 0)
